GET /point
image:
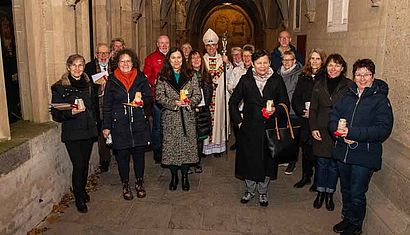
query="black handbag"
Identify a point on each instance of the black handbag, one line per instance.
(283, 143)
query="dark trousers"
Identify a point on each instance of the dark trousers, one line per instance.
(308, 162)
(103, 150)
(200, 144)
(80, 153)
(295, 122)
(156, 132)
(354, 183)
(184, 169)
(123, 159)
(326, 174)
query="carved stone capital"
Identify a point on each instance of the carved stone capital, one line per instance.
(311, 15)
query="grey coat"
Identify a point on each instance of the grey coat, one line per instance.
(179, 146)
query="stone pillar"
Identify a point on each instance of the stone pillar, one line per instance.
(100, 22)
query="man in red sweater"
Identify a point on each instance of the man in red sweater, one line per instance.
(152, 66)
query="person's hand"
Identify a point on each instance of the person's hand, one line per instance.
(343, 131)
(273, 110)
(180, 103)
(225, 59)
(316, 135)
(349, 141)
(75, 111)
(106, 133)
(239, 125)
(305, 113)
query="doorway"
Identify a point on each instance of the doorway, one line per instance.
(8, 47)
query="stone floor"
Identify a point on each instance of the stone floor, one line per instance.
(211, 206)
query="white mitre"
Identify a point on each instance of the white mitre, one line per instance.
(210, 37)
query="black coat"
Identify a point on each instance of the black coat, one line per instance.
(252, 159)
(370, 122)
(90, 69)
(302, 94)
(80, 126)
(203, 115)
(129, 125)
(320, 107)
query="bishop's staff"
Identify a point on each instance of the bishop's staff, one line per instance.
(224, 43)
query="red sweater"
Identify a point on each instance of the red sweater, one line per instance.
(152, 66)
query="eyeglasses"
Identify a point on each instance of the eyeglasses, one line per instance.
(103, 53)
(365, 75)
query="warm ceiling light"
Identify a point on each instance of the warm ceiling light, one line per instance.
(227, 3)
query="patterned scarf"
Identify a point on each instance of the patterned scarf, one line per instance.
(261, 80)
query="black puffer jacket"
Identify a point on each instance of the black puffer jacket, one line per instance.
(203, 116)
(82, 125)
(129, 126)
(370, 122)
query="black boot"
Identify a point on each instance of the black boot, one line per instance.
(174, 181)
(81, 206)
(304, 181)
(320, 198)
(185, 182)
(330, 205)
(313, 188)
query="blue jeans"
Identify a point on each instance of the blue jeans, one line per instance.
(354, 183)
(326, 175)
(156, 132)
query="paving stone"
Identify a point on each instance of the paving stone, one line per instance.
(212, 206)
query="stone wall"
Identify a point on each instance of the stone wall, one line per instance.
(381, 34)
(36, 182)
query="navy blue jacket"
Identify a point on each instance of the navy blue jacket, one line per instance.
(129, 126)
(276, 58)
(370, 122)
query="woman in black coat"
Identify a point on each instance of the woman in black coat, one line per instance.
(124, 118)
(326, 92)
(255, 88)
(358, 147)
(203, 115)
(79, 127)
(311, 72)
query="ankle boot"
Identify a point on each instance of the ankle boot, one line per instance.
(139, 187)
(330, 205)
(126, 192)
(174, 182)
(185, 182)
(304, 181)
(319, 200)
(81, 206)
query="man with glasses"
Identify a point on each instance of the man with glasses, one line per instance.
(100, 65)
(284, 41)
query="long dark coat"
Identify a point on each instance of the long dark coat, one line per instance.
(129, 126)
(320, 107)
(252, 159)
(179, 147)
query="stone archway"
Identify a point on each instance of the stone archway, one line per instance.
(242, 20)
(233, 20)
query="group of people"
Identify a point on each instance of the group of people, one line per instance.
(343, 122)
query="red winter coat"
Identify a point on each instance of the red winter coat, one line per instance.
(152, 66)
